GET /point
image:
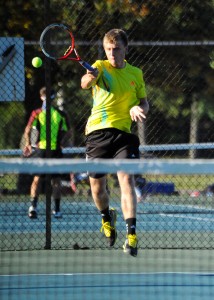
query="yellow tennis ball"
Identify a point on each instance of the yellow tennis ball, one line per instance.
(37, 62)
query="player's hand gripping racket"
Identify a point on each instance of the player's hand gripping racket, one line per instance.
(57, 42)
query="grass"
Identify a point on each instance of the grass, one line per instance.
(8, 181)
(182, 182)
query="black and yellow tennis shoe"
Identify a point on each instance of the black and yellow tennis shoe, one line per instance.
(130, 245)
(109, 228)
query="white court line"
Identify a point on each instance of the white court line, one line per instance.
(183, 216)
(96, 274)
(185, 206)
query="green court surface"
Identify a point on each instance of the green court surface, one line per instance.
(106, 274)
(157, 273)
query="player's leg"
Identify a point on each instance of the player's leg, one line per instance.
(56, 192)
(35, 186)
(99, 145)
(101, 200)
(128, 205)
(34, 194)
(128, 196)
(128, 147)
(99, 193)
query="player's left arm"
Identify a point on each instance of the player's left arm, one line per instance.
(139, 112)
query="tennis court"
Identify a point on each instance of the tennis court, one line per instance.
(94, 270)
(163, 222)
(171, 42)
(175, 249)
(85, 274)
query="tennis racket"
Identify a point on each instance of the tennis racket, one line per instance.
(57, 42)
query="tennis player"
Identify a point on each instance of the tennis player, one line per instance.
(59, 126)
(119, 97)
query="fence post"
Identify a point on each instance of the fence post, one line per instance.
(48, 136)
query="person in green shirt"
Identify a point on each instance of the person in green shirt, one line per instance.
(119, 98)
(59, 127)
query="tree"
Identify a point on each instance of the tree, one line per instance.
(176, 76)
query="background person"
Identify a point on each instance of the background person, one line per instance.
(59, 127)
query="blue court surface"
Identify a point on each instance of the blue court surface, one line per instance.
(156, 274)
(151, 217)
(152, 286)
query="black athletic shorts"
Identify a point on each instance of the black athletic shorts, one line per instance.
(111, 143)
(41, 153)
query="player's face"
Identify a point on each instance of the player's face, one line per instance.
(115, 53)
(43, 97)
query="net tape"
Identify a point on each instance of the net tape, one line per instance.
(136, 166)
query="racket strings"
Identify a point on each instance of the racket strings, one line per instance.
(57, 42)
(68, 50)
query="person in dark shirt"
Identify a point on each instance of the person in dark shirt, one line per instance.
(59, 127)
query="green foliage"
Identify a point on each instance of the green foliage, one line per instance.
(11, 124)
(173, 74)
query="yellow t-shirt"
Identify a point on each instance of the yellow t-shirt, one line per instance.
(116, 91)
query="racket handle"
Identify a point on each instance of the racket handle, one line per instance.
(86, 66)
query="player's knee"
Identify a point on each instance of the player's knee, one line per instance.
(99, 192)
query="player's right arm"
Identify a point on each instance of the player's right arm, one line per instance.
(27, 133)
(27, 148)
(89, 79)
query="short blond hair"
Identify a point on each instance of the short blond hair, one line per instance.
(115, 35)
(43, 91)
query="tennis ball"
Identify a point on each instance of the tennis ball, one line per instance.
(37, 62)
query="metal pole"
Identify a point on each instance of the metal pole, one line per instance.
(48, 136)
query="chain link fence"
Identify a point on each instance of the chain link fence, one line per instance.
(172, 42)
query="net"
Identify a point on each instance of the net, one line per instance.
(67, 257)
